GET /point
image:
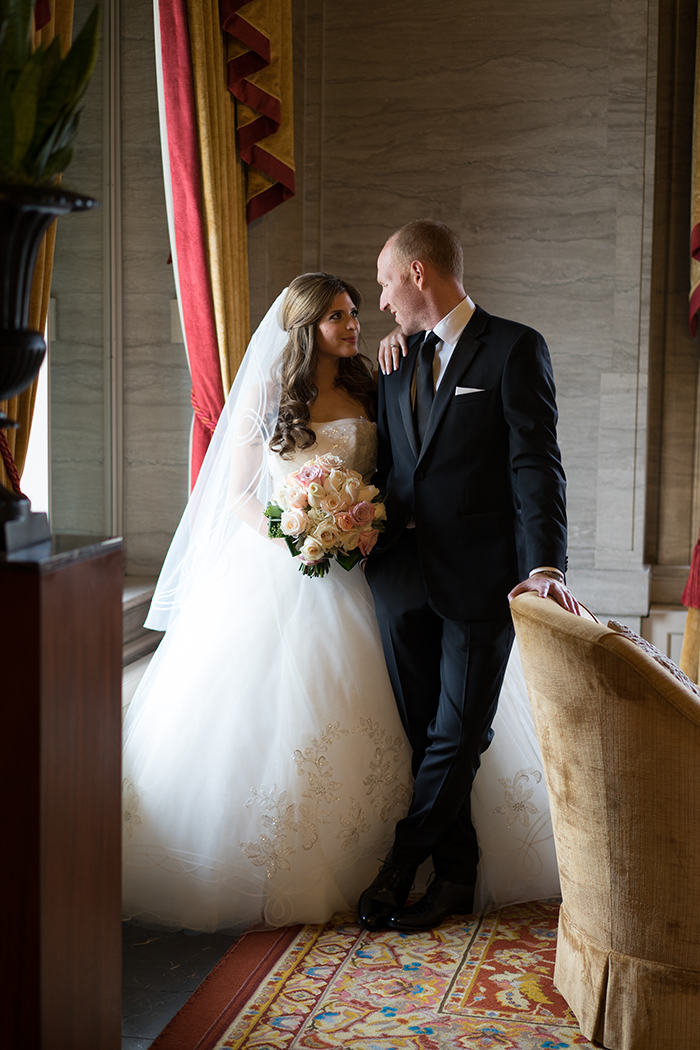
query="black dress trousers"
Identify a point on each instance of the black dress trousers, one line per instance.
(447, 676)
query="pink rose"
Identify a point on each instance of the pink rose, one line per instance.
(345, 521)
(311, 472)
(367, 541)
(363, 513)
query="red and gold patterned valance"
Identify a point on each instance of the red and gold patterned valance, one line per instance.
(259, 54)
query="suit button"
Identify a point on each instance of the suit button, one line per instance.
(420, 475)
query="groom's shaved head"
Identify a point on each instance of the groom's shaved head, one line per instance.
(431, 242)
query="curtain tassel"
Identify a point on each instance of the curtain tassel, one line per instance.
(691, 594)
(10, 466)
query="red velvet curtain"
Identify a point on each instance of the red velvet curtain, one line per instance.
(193, 269)
(264, 140)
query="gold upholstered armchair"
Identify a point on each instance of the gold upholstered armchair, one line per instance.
(620, 742)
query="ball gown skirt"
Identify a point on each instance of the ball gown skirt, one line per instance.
(265, 765)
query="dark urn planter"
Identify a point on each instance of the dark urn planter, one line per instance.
(26, 212)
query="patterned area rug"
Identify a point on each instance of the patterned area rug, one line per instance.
(478, 984)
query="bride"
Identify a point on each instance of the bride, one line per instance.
(265, 765)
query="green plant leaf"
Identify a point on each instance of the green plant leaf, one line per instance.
(40, 94)
(64, 89)
(85, 50)
(58, 161)
(24, 98)
(60, 137)
(3, 38)
(294, 545)
(347, 560)
(16, 16)
(50, 67)
(7, 126)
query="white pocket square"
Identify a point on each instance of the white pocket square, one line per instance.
(468, 390)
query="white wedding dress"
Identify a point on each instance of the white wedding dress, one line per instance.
(265, 765)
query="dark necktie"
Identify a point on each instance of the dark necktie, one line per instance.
(425, 386)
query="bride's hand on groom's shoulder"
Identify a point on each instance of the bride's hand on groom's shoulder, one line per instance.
(391, 349)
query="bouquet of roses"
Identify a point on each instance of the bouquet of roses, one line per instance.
(324, 510)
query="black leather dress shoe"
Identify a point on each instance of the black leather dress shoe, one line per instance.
(386, 895)
(441, 899)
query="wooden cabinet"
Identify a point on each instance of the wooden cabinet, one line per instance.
(60, 777)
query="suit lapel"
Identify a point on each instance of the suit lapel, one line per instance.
(462, 356)
(407, 368)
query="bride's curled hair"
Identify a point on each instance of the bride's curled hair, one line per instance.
(308, 299)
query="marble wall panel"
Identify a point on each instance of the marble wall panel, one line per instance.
(629, 226)
(673, 511)
(676, 526)
(156, 410)
(578, 433)
(152, 523)
(79, 394)
(621, 444)
(631, 70)
(611, 593)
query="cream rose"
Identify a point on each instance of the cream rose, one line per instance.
(328, 534)
(332, 503)
(312, 551)
(379, 512)
(315, 493)
(351, 539)
(295, 494)
(280, 498)
(367, 493)
(293, 522)
(319, 517)
(335, 480)
(350, 492)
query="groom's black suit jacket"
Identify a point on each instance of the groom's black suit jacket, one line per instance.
(487, 488)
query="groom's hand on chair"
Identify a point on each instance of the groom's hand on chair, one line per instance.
(546, 587)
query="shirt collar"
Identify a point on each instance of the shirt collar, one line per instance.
(450, 328)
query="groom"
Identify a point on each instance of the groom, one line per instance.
(469, 462)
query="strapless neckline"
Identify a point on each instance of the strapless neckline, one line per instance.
(346, 419)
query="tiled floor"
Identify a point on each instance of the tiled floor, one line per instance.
(159, 973)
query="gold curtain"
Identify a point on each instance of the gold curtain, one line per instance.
(21, 407)
(690, 653)
(223, 186)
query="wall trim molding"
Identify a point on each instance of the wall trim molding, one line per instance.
(114, 421)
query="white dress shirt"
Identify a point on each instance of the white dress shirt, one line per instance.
(449, 331)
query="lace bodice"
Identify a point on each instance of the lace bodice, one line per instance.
(352, 440)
